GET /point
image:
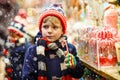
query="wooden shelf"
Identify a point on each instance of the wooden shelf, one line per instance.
(110, 73)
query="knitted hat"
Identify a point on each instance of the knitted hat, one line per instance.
(17, 28)
(17, 25)
(54, 10)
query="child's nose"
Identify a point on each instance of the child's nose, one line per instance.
(50, 29)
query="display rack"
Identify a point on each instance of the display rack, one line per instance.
(109, 73)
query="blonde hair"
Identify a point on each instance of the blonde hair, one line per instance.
(54, 20)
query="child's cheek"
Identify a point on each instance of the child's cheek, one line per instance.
(44, 34)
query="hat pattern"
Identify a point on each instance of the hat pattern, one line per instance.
(17, 28)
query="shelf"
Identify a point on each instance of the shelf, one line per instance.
(110, 73)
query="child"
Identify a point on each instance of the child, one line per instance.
(16, 45)
(52, 58)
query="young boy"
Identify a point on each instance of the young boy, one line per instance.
(52, 58)
(16, 46)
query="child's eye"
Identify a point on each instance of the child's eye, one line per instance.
(46, 26)
(55, 27)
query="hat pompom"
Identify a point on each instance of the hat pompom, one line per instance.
(22, 13)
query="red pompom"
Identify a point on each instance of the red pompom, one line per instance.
(22, 13)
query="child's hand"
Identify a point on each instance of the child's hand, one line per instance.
(70, 60)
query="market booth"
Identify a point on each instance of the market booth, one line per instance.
(98, 43)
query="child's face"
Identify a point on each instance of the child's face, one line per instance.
(51, 28)
(14, 35)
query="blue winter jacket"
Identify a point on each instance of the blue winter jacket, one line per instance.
(30, 67)
(17, 58)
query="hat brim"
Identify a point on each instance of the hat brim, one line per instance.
(18, 32)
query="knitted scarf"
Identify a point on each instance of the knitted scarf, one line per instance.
(43, 45)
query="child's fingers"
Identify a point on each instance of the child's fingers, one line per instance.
(67, 59)
(70, 60)
(68, 64)
(65, 53)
